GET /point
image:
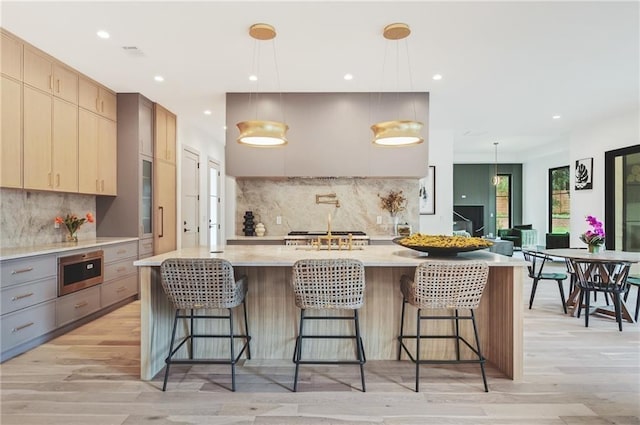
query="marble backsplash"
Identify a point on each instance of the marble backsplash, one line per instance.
(294, 200)
(27, 218)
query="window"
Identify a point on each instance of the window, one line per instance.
(622, 199)
(503, 202)
(559, 205)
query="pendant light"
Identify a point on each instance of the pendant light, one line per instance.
(496, 179)
(398, 132)
(257, 132)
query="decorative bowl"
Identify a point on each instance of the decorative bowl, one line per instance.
(438, 251)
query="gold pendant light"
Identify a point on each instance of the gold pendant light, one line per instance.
(398, 132)
(496, 177)
(260, 133)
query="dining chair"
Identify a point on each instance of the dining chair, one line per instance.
(608, 277)
(329, 284)
(194, 286)
(535, 267)
(440, 285)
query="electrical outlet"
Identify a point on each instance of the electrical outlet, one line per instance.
(278, 219)
(379, 219)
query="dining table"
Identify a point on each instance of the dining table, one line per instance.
(604, 256)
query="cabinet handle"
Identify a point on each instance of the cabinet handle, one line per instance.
(97, 104)
(50, 184)
(102, 186)
(81, 304)
(121, 251)
(21, 327)
(120, 289)
(58, 85)
(97, 186)
(161, 222)
(102, 106)
(19, 297)
(57, 179)
(51, 81)
(28, 269)
(121, 269)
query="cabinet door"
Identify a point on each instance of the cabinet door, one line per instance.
(160, 133)
(108, 104)
(88, 95)
(87, 152)
(107, 157)
(37, 70)
(37, 139)
(171, 137)
(10, 133)
(11, 59)
(65, 146)
(145, 116)
(165, 201)
(65, 83)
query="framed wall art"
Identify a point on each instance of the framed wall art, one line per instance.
(428, 192)
(584, 174)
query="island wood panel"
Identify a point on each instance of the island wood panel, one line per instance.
(273, 321)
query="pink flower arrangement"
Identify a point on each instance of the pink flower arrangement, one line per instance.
(594, 236)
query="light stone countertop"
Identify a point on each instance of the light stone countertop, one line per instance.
(54, 248)
(370, 255)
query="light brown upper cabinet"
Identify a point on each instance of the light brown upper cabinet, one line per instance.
(10, 132)
(44, 73)
(50, 142)
(97, 163)
(165, 134)
(11, 59)
(98, 99)
(164, 201)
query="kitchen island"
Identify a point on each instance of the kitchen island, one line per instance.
(273, 314)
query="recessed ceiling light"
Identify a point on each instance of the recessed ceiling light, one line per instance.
(103, 34)
(253, 78)
(159, 78)
(207, 112)
(437, 77)
(348, 77)
(556, 117)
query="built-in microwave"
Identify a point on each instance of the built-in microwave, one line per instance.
(76, 272)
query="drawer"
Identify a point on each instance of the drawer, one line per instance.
(27, 324)
(118, 269)
(22, 296)
(27, 269)
(117, 290)
(77, 305)
(120, 251)
(145, 248)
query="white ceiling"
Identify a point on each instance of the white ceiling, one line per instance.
(508, 67)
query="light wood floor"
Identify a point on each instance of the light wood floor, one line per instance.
(573, 375)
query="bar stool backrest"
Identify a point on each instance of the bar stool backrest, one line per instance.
(328, 283)
(448, 285)
(601, 275)
(194, 283)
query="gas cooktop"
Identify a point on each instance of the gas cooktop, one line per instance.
(324, 232)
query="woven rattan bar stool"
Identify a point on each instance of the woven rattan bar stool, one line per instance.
(195, 285)
(329, 284)
(444, 285)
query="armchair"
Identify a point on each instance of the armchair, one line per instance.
(521, 236)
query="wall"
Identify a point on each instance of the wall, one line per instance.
(592, 142)
(27, 217)
(472, 186)
(294, 199)
(441, 157)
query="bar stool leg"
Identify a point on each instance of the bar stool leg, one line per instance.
(168, 359)
(586, 306)
(192, 331)
(418, 350)
(246, 330)
(233, 356)
(480, 356)
(401, 340)
(360, 349)
(457, 336)
(298, 351)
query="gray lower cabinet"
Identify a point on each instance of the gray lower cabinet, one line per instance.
(31, 311)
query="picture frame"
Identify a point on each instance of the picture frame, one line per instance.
(583, 174)
(427, 192)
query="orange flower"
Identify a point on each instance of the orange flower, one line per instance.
(59, 220)
(90, 218)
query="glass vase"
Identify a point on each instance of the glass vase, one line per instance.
(394, 220)
(72, 237)
(594, 248)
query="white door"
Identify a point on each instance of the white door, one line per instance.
(190, 199)
(214, 203)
